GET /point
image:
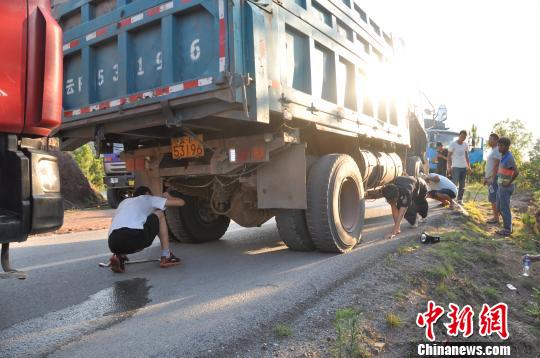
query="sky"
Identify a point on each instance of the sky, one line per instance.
(481, 58)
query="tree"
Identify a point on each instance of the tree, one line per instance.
(520, 136)
(530, 171)
(474, 135)
(91, 167)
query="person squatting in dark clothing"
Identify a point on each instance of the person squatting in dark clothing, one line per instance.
(407, 197)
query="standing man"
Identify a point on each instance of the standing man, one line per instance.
(506, 175)
(407, 198)
(442, 159)
(490, 176)
(458, 163)
(135, 225)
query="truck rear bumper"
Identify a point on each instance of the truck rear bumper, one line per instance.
(119, 181)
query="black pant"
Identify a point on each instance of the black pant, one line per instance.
(419, 204)
(127, 241)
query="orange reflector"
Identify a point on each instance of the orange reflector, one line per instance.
(258, 153)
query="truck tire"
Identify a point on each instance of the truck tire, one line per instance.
(335, 203)
(414, 166)
(194, 223)
(114, 197)
(292, 228)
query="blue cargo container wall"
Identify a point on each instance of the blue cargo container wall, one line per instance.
(138, 51)
(322, 61)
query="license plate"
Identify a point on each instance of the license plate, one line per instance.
(187, 147)
(131, 182)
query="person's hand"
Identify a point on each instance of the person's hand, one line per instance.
(469, 170)
(486, 182)
(166, 195)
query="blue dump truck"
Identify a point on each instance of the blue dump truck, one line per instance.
(446, 137)
(247, 109)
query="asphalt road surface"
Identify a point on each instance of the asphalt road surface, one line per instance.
(223, 292)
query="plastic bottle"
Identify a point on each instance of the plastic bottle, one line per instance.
(526, 265)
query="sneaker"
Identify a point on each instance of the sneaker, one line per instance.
(504, 232)
(117, 263)
(172, 260)
(460, 202)
(492, 221)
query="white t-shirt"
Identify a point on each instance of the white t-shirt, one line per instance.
(133, 212)
(493, 155)
(458, 154)
(443, 183)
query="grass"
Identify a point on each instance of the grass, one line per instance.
(440, 272)
(349, 335)
(491, 293)
(393, 320)
(283, 331)
(403, 250)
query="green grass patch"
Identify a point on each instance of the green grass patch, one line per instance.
(393, 320)
(491, 293)
(440, 272)
(441, 289)
(404, 250)
(283, 331)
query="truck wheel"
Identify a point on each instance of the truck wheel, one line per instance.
(195, 222)
(336, 203)
(293, 230)
(414, 166)
(114, 197)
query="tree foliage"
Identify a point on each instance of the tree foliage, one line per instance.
(91, 167)
(518, 133)
(530, 171)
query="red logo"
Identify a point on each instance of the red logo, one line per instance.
(494, 320)
(491, 320)
(429, 318)
(460, 321)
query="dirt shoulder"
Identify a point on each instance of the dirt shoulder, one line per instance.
(85, 220)
(375, 314)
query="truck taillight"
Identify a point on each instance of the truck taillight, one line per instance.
(253, 154)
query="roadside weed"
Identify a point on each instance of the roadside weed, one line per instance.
(283, 331)
(393, 320)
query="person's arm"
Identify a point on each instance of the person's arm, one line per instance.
(397, 224)
(467, 159)
(495, 170)
(173, 201)
(449, 162)
(516, 173)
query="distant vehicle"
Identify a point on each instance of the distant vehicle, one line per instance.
(30, 108)
(119, 182)
(248, 110)
(446, 137)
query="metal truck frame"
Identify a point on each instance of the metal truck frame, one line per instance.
(284, 120)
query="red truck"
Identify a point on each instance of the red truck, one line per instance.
(30, 109)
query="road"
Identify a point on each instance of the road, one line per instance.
(223, 293)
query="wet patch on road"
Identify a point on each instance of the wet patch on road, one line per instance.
(46, 334)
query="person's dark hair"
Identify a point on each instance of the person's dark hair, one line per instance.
(494, 135)
(505, 141)
(390, 192)
(463, 132)
(439, 144)
(142, 190)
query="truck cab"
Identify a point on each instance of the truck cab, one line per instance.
(30, 109)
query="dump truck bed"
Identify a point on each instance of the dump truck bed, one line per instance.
(138, 68)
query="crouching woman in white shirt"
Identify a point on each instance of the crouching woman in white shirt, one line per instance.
(135, 225)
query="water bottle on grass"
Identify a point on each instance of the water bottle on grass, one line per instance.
(526, 265)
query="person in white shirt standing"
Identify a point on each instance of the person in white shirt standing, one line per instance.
(135, 225)
(458, 163)
(490, 176)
